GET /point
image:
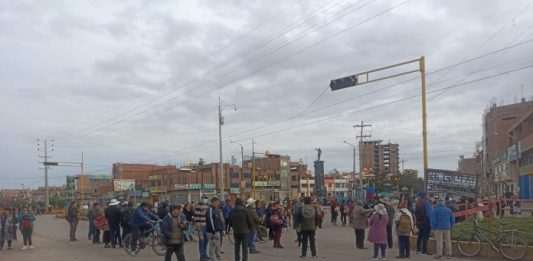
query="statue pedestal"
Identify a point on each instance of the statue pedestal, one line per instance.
(320, 189)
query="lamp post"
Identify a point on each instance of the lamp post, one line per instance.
(242, 161)
(221, 108)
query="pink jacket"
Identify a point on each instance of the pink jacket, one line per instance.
(378, 229)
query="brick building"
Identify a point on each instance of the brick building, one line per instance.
(497, 122)
(376, 157)
(521, 144)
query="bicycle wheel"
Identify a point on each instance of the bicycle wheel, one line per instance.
(157, 245)
(513, 246)
(469, 245)
(262, 233)
(132, 247)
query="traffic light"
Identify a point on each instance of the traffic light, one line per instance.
(342, 83)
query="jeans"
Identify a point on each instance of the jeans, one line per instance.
(114, 234)
(92, 230)
(96, 236)
(214, 246)
(241, 242)
(26, 236)
(343, 219)
(73, 227)
(175, 249)
(8, 243)
(377, 247)
(423, 237)
(405, 246)
(203, 243)
(389, 236)
(359, 238)
(251, 240)
(308, 237)
(299, 238)
(439, 236)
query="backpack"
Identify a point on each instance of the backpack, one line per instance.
(100, 222)
(125, 217)
(275, 220)
(309, 216)
(26, 224)
(404, 224)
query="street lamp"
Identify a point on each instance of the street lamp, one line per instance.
(221, 108)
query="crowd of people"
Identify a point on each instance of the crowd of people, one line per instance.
(211, 220)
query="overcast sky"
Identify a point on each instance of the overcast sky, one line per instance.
(138, 81)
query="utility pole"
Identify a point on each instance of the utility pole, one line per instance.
(361, 127)
(81, 179)
(242, 161)
(220, 123)
(253, 168)
(46, 166)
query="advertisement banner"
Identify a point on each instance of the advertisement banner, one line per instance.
(452, 181)
(121, 185)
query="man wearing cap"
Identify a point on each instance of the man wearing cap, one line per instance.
(112, 214)
(442, 222)
(423, 215)
(250, 207)
(405, 196)
(390, 212)
(360, 223)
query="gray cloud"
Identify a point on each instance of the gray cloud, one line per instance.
(139, 81)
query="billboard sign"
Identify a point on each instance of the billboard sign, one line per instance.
(121, 185)
(452, 181)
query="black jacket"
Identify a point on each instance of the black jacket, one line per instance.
(112, 214)
(241, 220)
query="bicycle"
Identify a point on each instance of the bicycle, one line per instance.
(153, 237)
(509, 243)
(262, 234)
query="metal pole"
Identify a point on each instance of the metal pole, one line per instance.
(221, 167)
(424, 119)
(253, 168)
(47, 192)
(81, 179)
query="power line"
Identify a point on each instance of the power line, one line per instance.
(264, 67)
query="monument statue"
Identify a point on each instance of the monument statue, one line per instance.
(319, 152)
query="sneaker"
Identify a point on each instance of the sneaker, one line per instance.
(24, 247)
(255, 252)
(32, 248)
(302, 256)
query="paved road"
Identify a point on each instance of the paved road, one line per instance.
(51, 243)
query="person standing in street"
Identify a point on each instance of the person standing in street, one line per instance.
(173, 237)
(72, 218)
(308, 218)
(252, 238)
(405, 225)
(125, 216)
(277, 222)
(296, 209)
(406, 196)
(378, 230)
(112, 214)
(423, 214)
(200, 213)
(90, 217)
(26, 220)
(243, 222)
(360, 223)
(214, 226)
(442, 222)
(390, 212)
(7, 226)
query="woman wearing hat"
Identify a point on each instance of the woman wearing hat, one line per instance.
(277, 221)
(378, 230)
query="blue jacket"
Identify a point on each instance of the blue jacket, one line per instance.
(227, 209)
(166, 226)
(214, 220)
(141, 217)
(442, 218)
